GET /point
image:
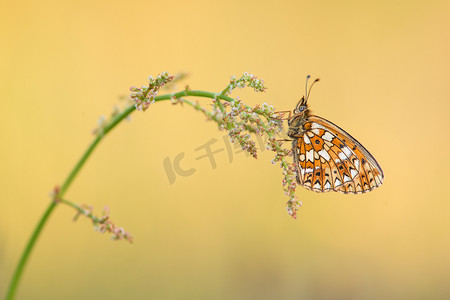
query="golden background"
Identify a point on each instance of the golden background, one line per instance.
(224, 233)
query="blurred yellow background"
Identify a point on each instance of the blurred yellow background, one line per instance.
(224, 233)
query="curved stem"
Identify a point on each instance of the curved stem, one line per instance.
(26, 253)
(65, 186)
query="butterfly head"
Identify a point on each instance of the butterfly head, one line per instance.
(300, 112)
(301, 106)
(295, 122)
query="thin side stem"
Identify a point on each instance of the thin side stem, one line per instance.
(81, 211)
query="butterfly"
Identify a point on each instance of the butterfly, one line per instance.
(326, 157)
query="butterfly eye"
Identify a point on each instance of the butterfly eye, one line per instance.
(301, 108)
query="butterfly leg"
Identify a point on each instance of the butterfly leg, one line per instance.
(283, 113)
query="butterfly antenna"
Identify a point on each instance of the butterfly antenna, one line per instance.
(306, 86)
(309, 91)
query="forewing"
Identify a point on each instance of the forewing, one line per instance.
(329, 159)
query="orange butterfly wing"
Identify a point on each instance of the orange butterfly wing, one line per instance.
(329, 159)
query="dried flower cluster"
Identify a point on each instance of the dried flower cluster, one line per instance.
(289, 180)
(236, 120)
(103, 224)
(145, 96)
(248, 80)
(240, 120)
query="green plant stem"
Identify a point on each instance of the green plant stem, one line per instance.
(26, 253)
(65, 186)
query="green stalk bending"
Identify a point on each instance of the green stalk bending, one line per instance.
(65, 186)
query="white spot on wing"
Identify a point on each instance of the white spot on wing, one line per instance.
(347, 151)
(353, 173)
(327, 185)
(302, 157)
(316, 131)
(346, 178)
(316, 125)
(309, 170)
(357, 164)
(317, 186)
(324, 154)
(327, 136)
(342, 156)
(310, 155)
(337, 182)
(306, 139)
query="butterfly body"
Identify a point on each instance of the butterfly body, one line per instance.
(327, 158)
